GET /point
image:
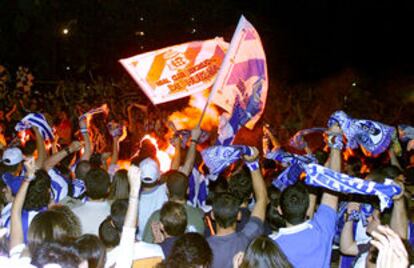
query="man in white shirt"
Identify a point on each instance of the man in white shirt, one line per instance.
(96, 208)
(153, 194)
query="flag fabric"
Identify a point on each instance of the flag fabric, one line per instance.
(319, 176)
(405, 133)
(178, 71)
(185, 135)
(218, 158)
(373, 136)
(242, 79)
(36, 120)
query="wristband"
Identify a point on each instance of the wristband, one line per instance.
(253, 165)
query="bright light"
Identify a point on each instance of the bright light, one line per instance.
(141, 19)
(65, 31)
(67, 68)
(193, 31)
(192, 19)
(354, 84)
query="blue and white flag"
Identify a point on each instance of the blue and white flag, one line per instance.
(287, 158)
(243, 77)
(298, 142)
(241, 115)
(319, 176)
(373, 136)
(218, 158)
(36, 120)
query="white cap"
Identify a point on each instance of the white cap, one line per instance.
(150, 171)
(12, 156)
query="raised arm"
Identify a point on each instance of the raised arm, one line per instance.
(347, 244)
(16, 227)
(57, 157)
(126, 246)
(41, 148)
(259, 186)
(334, 164)
(176, 160)
(275, 143)
(191, 153)
(83, 125)
(399, 217)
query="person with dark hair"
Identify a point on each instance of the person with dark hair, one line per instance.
(91, 249)
(191, 250)
(97, 208)
(119, 185)
(309, 243)
(227, 242)
(177, 186)
(173, 223)
(78, 184)
(274, 220)
(64, 254)
(262, 252)
(240, 185)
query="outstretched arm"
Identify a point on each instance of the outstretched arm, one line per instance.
(259, 186)
(83, 125)
(191, 153)
(57, 157)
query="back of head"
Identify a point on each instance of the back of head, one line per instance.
(177, 184)
(91, 249)
(63, 253)
(263, 252)
(120, 185)
(50, 225)
(118, 212)
(173, 218)
(225, 208)
(82, 168)
(38, 194)
(97, 183)
(240, 185)
(191, 250)
(294, 203)
(71, 223)
(111, 228)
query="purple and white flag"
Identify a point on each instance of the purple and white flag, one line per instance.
(373, 136)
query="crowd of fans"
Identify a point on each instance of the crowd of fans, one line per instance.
(67, 202)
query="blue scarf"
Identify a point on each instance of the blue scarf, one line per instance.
(298, 142)
(373, 136)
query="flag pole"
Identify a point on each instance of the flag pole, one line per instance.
(205, 107)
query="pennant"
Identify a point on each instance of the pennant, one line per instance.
(178, 71)
(320, 176)
(36, 120)
(218, 158)
(373, 136)
(242, 80)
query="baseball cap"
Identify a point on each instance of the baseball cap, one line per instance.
(150, 171)
(12, 156)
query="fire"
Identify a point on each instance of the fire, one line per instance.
(163, 157)
(24, 136)
(348, 153)
(189, 117)
(123, 164)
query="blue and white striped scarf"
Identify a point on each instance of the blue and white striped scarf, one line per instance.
(319, 176)
(405, 133)
(295, 166)
(218, 158)
(36, 120)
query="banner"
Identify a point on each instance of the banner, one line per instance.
(243, 71)
(179, 71)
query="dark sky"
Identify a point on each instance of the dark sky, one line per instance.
(304, 40)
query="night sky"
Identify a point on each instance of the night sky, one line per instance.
(304, 40)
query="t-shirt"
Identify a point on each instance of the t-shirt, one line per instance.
(150, 201)
(167, 245)
(194, 222)
(225, 247)
(91, 214)
(142, 250)
(309, 244)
